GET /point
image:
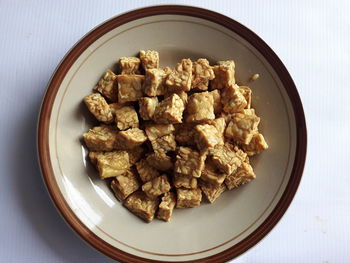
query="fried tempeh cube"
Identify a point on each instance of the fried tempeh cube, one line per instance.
(100, 138)
(93, 157)
(154, 82)
(184, 181)
(242, 175)
(247, 93)
(129, 87)
(160, 160)
(232, 99)
(212, 175)
(129, 65)
(189, 162)
(130, 138)
(157, 186)
(147, 107)
(181, 77)
(166, 206)
(135, 154)
(146, 172)
(224, 74)
(142, 206)
(207, 136)
(202, 72)
(188, 197)
(169, 110)
(149, 59)
(184, 134)
(200, 107)
(256, 145)
(111, 164)
(242, 127)
(107, 86)
(126, 117)
(161, 137)
(217, 101)
(98, 106)
(125, 184)
(212, 192)
(224, 157)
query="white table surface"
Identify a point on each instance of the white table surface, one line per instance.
(312, 40)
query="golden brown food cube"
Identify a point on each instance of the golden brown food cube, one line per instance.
(242, 175)
(169, 110)
(207, 136)
(166, 206)
(112, 164)
(256, 145)
(126, 117)
(100, 138)
(188, 197)
(142, 206)
(99, 107)
(160, 160)
(182, 94)
(217, 101)
(200, 107)
(247, 93)
(161, 137)
(146, 172)
(224, 157)
(125, 184)
(181, 77)
(202, 72)
(242, 127)
(130, 138)
(232, 99)
(164, 144)
(189, 162)
(149, 59)
(129, 87)
(212, 175)
(250, 111)
(185, 133)
(212, 192)
(135, 154)
(157, 186)
(224, 74)
(93, 157)
(106, 86)
(154, 82)
(129, 65)
(184, 181)
(147, 107)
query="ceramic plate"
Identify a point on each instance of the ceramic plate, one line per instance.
(210, 233)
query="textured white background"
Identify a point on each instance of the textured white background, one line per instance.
(312, 39)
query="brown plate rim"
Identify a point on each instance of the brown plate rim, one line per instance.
(84, 43)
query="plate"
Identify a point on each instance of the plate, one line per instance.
(211, 233)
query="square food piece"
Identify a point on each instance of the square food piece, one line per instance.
(142, 206)
(154, 82)
(200, 107)
(217, 100)
(207, 136)
(146, 172)
(129, 87)
(232, 99)
(256, 145)
(212, 175)
(189, 162)
(242, 175)
(149, 59)
(164, 144)
(100, 138)
(182, 94)
(188, 197)
(99, 107)
(106, 86)
(242, 127)
(184, 181)
(125, 184)
(135, 154)
(166, 206)
(130, 139)
(250, 111)
(247, 93)
(161, 137)
(181, 77)
(112, 164)
(160, 161)
(126, 117)
(224, 74)
(224, 157)
(93, 157)
(157, 186)
(212, 192)
(185, 133)
(169, 110)
(129, 65)
(202, 72)
(147, 107)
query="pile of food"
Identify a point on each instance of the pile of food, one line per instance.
(170, 135)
